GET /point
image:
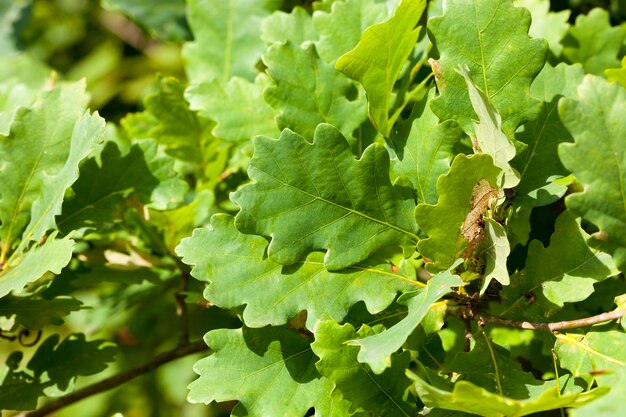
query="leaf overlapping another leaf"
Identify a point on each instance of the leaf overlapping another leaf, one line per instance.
(340, 27)
(424, 149)
(379, 57)
(443, 221)
(378, 394)
(593, 42)
(501, 57)
(35, 155)
(312, 196)
(597, 158)
(309, 91)
(270, 371)
(554, 283)
(538, 164)
(377, 350)
(238, 274)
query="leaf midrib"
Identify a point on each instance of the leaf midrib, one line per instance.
(332, 203)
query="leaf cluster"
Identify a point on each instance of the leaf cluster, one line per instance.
(364, 207)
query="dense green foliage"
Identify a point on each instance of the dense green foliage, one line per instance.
(363, 207)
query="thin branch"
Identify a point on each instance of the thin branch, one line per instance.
(118, 379)
(544, 327)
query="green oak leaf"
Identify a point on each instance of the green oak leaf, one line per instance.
(379, 56)
(226, 39)
(340, 27)
(295, 27)
(424, 149)
(496, 253)
(309, 92)
(597, 158)
(609, 405)
(34, 314)
(73, 357)
(238, 273)
(87, 131)
(376, 350)
(467, 397)
(493, 383)
(538, 164)
(51, 256)
(14, 95)
(46, 143)
(104, 187)
(270, 371)
(600, 352)
(166, 21)
(593, 42)
(376, 394)
(501, 57)
(443, 221)
(617, 74)
(551, 26)
(551, 283)
(312, 196)
(238, 107)
(489, 135)
(168, 120)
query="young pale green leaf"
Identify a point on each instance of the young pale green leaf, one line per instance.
(553, 283)
(376, 394)
(168, 120)
(599, 352)
(617, 74)
(37, 150)
(501, 57)
(378, 58)
(34, 314)
(597, 158)
(227, 39)
(496, 253)
(238, 107)
(444, 221)
(238, 273)
(538, 164)
(271, 371)
(101, 192)
(73, 357)
(469, 398)
(311, 196)
(51, 256)
(309, 92)
(340, 27)
(489, 136)
(424, 149)
(551, 26)
(295, 27)
(376, 350)
(593, 42)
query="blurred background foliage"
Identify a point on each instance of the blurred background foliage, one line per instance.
(128, 50)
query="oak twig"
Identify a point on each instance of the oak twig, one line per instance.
(118, 379)
(465, 312)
